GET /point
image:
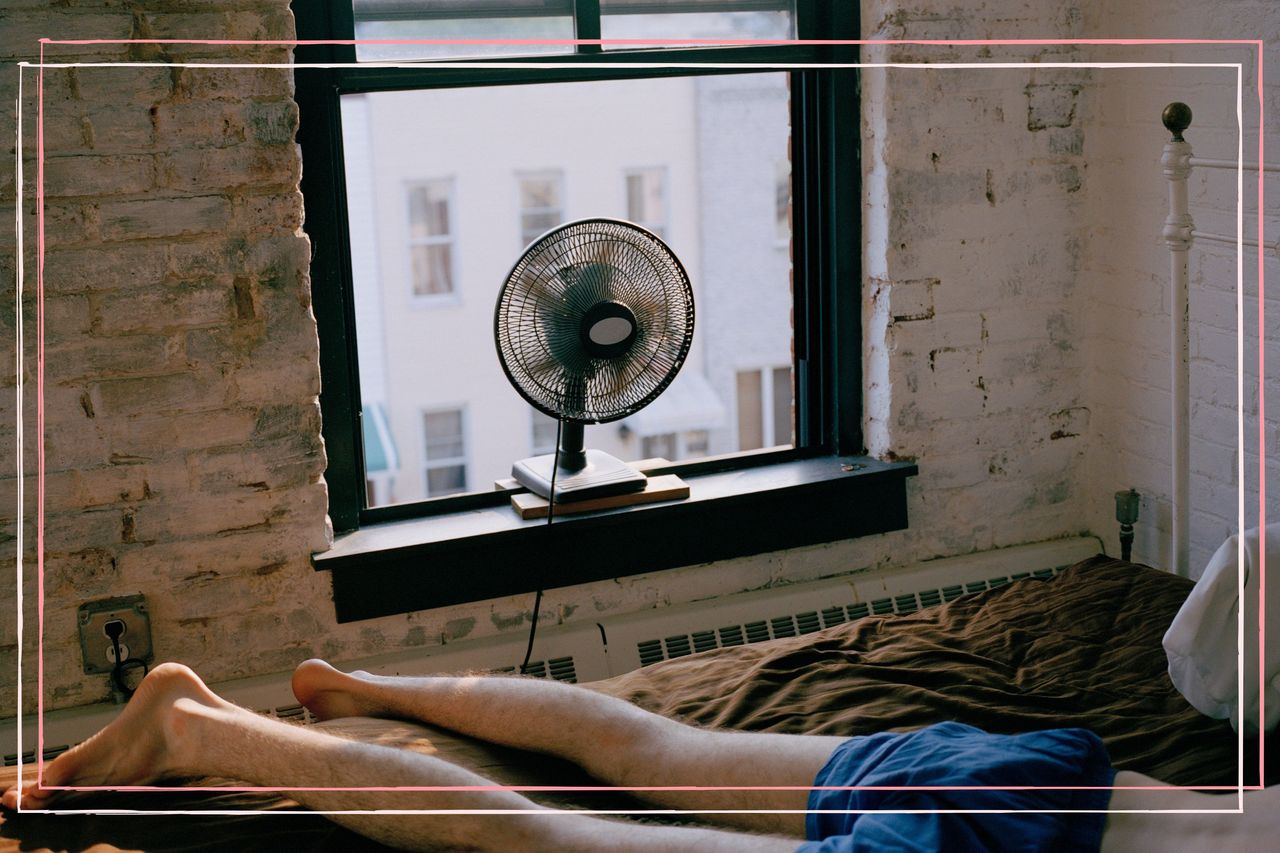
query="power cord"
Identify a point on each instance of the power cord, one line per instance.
(551, 511)
(121, 691)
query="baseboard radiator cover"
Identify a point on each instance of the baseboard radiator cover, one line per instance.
(618, 644)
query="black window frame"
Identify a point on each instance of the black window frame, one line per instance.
(825, 250)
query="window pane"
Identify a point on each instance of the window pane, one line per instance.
(647, 199)
(443, 432)
(696, 443)
(659, 447)
(446, 480)
(539, 206)
(432, 270)
(540, 192)
(429, 210)
(534, 225)
(397, 20)
(782, 419)
(750, 421)
(698, 153)
(695, 19)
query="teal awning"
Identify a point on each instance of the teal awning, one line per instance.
(379, 448)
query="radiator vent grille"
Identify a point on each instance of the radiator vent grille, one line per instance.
(29, 757)
(560, 669)
(679, 645)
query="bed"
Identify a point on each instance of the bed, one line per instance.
(1080, 649)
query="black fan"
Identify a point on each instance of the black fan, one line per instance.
(592, 323)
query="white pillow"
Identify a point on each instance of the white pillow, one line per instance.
(1202, 641)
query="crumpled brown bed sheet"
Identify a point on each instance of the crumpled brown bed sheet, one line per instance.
(1082, 649)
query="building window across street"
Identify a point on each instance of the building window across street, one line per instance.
(764, 408)
(540, 206)
(431, 237)
(445, 452)
(647, 199)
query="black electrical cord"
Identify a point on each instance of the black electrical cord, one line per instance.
(551, 511)
(117, 672)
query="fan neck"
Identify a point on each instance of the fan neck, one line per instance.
(572, 455)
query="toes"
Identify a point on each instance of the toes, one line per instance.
(32, 797)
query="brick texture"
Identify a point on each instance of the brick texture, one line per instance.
(1127, 270)
(183, 456)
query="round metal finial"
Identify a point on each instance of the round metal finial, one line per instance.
(1177, 118)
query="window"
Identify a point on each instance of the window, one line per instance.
(513, 20)
(712, 183)
(444, 452)
(720, 226)
(430, 238)
(540, 206)
(647, 199)
(764, 408)
(674, 446)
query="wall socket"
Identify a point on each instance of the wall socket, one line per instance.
(95, 644)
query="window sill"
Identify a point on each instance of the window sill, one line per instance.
(452, 558)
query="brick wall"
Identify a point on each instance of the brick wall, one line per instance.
(1127, 275)
(974, 233)
(182, 446)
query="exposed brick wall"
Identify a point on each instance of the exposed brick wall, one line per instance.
(1127, 273)
(974, 233)
(182, 447)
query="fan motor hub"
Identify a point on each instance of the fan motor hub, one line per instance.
(608, 329)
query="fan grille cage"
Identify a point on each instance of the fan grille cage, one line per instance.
(542, 302)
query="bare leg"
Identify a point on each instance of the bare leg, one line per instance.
(175, 726)
(612, 740)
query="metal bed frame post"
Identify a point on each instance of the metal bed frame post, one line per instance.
(1179, 233)
(1178, 228)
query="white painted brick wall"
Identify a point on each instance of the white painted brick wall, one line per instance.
(1127, 271)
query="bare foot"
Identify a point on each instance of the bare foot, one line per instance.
(140, 746)
(328, 693)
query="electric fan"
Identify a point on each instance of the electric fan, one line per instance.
(592, 323)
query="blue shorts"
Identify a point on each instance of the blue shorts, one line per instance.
(952, 755)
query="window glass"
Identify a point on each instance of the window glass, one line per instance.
(696, 442)
(660, 447)
(430, 243)
(695, 155)
(647, 199)
(782, 418)
(445, 452)
(727, 20)
(391, 21)
(540, 209)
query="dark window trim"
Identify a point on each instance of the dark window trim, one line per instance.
(486, 552)
(826, 270)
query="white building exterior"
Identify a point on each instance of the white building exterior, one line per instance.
(457, 181)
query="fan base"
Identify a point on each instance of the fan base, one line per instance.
(603, 475)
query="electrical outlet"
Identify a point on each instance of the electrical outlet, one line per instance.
(95, 643)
